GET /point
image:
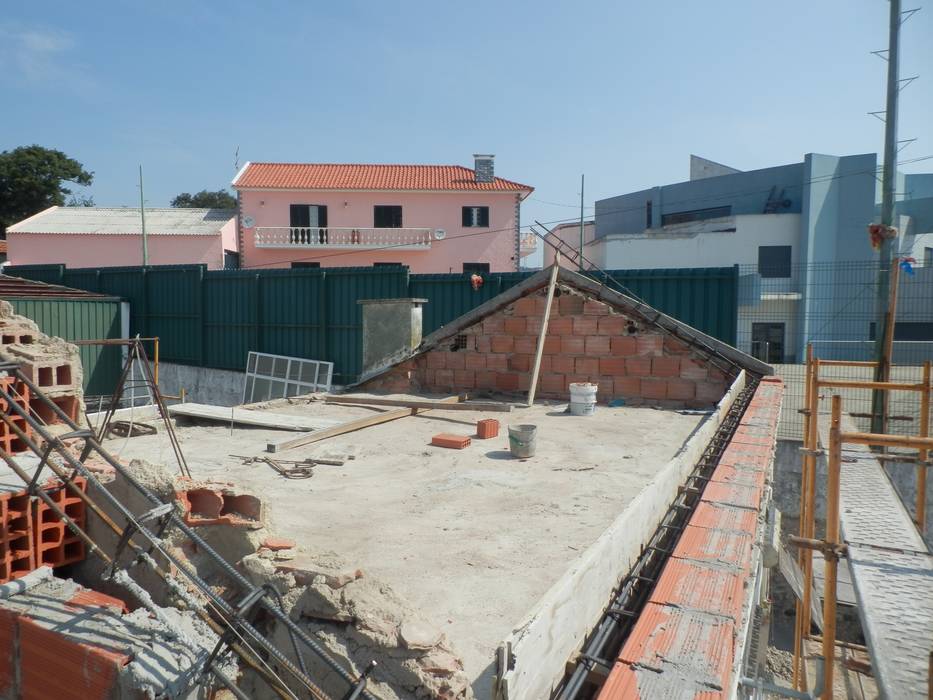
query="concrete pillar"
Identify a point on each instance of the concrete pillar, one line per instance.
(391, 330)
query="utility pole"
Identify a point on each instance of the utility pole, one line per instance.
(879, 401)
(142, 216)
(580, 259)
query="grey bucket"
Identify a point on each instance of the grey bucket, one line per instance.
(522, 440)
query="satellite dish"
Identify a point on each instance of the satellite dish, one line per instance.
(440, 234)
(248, 222)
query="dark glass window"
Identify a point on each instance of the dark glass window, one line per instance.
(471, 267)
(387, 216)
(305, 264)
(774, 260)
(682, 217)
(387, 264)
(307, 216)
(475, 217)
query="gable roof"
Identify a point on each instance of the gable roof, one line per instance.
(349, 176)
(705, 344)
(160, 221)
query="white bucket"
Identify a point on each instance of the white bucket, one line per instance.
(582, 398)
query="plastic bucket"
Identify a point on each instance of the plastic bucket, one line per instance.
(582, 398)
(522, 440)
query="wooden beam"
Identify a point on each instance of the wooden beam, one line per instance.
(486, 406)
(547, 315)
(349, 427)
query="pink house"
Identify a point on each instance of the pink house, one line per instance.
(432, 218)
(112, 237)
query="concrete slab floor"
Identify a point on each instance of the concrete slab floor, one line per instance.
(471, 537)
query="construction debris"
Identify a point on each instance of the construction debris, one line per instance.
(444, 405)
(454, 442)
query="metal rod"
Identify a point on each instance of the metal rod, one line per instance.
(854, 384)
(832, 539)
(923, 453)
(799, 630)
(883, 440)
(202, 545)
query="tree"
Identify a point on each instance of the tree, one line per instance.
(33, 178)
(221, 199)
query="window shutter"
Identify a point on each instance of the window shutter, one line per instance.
(483, 218)
(299, 216)
(322, 216)
(467, 218)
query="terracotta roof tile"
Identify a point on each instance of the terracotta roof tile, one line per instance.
(339, 176)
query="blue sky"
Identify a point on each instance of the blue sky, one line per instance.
(621, 91)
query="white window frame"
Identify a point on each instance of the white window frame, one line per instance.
(289, 384)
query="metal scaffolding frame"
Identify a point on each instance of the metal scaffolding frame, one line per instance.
(232, 623)
(831, 546)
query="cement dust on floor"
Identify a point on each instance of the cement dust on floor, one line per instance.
(471, 537)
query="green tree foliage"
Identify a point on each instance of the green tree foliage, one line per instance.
(221, 199)
(33, 178)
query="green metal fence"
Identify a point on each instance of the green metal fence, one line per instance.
(213, 318)
(74, 319)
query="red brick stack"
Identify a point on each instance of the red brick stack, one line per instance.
(9, 440)
(587, 341)
(55, 544)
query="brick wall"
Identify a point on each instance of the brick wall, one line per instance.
(587, 341)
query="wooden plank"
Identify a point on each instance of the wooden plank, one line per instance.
(486, 406)
(547, 315)
(242, 416)
(348, 427)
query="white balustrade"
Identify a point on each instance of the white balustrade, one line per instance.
(343, 237)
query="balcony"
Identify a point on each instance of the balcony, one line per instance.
(343, 237)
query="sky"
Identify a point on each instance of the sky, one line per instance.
(622, 92)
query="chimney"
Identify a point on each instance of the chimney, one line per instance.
(391, 331)
(484, 166)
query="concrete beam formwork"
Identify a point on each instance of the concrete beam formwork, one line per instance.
(532, 659)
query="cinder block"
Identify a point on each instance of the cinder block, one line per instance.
(552, 344)
(572, 344)
(638, 366)
(218, 506)
(526, 306)
(483, 344)
(652, 388)
(494, 325)
(553, 383)
(597, 345)
(474, 360)
(437, 360)
(626, 387)
(464, 378)
(591, 307)
(561, 325)
(585, 325)
(455, 360)
(570, 304)
(613, 366)
(681, 389)
(675, 346)
(611, 325)
(487, 428)
(498, 362)
(56, 545)
(665, 366)
(563, 364)
(527, 344)
(444, 378)
(649, 344)
(449, 440)
(503, 343)
(693, 370)
(520, 363)
(588, 366)
(507, 381)
(515, 325)
(485, 379)
(624, 345)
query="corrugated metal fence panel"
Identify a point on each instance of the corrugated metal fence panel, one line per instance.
(174, 312)
(50, 274)
(452, 295)
(705, 298)
(231, 318)
(292, 313)
(343, 287)
(81, 320)
(129, 283)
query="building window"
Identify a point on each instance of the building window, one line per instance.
(307, 216)
(471, 267)
(387, 216)
(774, 261)
(917, 331)
(683, 217)
(928, 257)
(768, 342)
(648, 214)
(475, 217)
